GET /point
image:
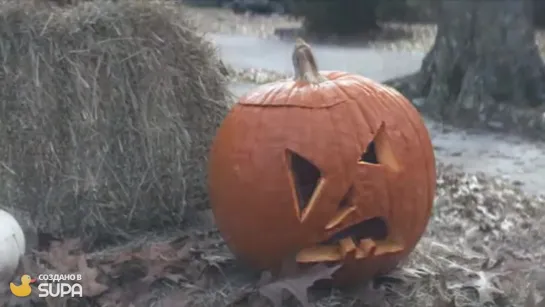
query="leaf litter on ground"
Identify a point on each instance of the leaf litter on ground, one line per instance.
(294, 280)
(485, 242)
(124, 277)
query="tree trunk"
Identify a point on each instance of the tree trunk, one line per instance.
(484, 58)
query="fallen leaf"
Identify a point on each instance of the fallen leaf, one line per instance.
(241, 298)
(4, 299)
(164, 251)
(125, 295)
(491, 262)
(176, 298)
(120, 257)
(162, 260)
(289, 267)
(532, 300)
(156, 260)
(160, 257)
(484, 286)
(56, 301)
(28, 266)
(249, 299)
(442, 302)
(369, 294)
(88, 282)
(60, 255)
(404, 274)
(156, 251)
(155, 270)
(296, 284)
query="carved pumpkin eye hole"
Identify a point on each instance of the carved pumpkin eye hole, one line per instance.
(369, 155)
(306, 181)
(379, 151)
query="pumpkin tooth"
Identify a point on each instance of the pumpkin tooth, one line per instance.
(319, 254)
(367, 247)
(339, 217)
(347, 246)
(359, 254)
(386, 247)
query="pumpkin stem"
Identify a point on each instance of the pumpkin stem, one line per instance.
(304, 63)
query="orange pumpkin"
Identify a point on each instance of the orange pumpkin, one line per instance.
(330, 166)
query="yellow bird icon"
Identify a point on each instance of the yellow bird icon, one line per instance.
(24, 289)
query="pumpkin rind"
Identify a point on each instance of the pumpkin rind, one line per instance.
(329, 125)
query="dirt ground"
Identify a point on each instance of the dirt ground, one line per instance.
(484, 245)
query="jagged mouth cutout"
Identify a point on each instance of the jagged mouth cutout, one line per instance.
(367, 238)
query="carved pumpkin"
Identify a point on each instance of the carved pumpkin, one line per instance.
(330, 166)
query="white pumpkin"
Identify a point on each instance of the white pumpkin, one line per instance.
(12, 245)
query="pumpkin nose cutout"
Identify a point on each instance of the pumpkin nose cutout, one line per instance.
(345, 209)
(369, 156)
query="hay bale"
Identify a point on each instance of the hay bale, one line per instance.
(107, 112)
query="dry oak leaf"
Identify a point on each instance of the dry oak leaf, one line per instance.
(297, 284)
(176, 298)
(157, 270)
(484, 285)
(368, 294)
(27, 265)
(156, 257)
(125, 295)
(88, 281)
(60, 257)
(164, 251)
(162, 256)
(440, 302)
(532, 300)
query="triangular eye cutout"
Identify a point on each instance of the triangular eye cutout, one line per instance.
(306, 177)
(379, 151)
(369, 155)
